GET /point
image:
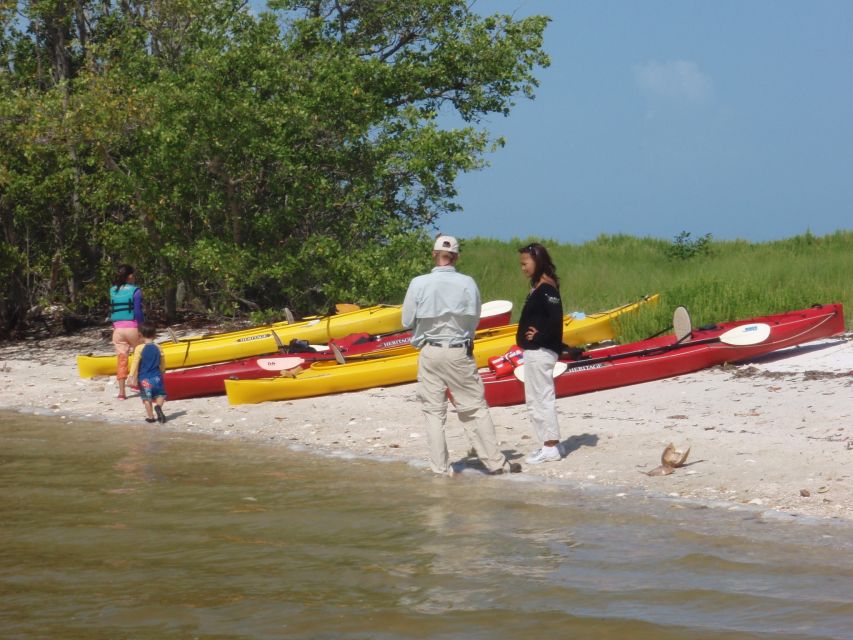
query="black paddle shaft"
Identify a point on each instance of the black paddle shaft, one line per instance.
(642, 352)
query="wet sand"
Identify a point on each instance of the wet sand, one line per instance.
(775, 434)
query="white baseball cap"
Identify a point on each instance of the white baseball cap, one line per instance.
(446, 243)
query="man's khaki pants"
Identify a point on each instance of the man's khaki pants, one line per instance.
(451, 368)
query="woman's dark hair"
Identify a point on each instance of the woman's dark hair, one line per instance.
(542, 260)
(123, 273)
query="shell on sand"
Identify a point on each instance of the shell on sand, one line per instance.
(672, 458)
(660, 471)
(670, 461)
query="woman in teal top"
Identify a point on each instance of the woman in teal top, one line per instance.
(126, 315)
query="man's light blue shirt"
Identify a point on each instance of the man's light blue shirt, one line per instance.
(442, 306)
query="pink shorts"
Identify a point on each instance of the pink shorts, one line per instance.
(124, 339)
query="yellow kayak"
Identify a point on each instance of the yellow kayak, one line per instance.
(329, 377)
(222, 347)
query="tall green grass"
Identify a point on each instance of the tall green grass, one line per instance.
(728, 280)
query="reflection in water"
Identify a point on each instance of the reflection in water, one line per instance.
(116, 532)
(137, 466)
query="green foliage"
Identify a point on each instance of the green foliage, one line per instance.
(735, 280)
(683, 248)
(267, 316)
(292, 158)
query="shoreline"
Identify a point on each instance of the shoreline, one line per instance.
(773, 434)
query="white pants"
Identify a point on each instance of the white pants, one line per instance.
(450, 368)
(539, 393)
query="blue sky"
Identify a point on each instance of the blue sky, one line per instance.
(728, 117)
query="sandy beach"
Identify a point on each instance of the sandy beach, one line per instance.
(774, 435)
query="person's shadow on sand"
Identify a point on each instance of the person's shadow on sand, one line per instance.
(567, 446)
(472, 461)
(572, 444)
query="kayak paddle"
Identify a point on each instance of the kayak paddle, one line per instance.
(559, 369)
(744, 335)
(681, 323)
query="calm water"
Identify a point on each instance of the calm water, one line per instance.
(121, 532)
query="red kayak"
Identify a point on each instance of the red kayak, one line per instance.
(666, 356)
(210, 380)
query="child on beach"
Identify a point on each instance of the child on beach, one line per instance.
(147, 369)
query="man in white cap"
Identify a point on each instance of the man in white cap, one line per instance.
(443, 307)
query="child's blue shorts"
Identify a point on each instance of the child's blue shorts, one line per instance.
(150, 388)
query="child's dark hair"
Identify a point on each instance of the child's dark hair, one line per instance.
(544, 264)
(122, 274)
(148, 330)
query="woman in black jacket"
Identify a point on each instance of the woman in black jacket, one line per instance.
(540, 335)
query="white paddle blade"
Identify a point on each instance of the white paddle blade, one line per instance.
(681, 323)
(339, 357)
(279, 364)
(746, 334)
(288, 315)
(559, 369)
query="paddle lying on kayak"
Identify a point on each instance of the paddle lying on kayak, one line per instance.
(742, 336)
(664, 356)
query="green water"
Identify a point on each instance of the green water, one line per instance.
(123, 532)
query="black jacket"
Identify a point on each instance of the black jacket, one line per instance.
(543, 309)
